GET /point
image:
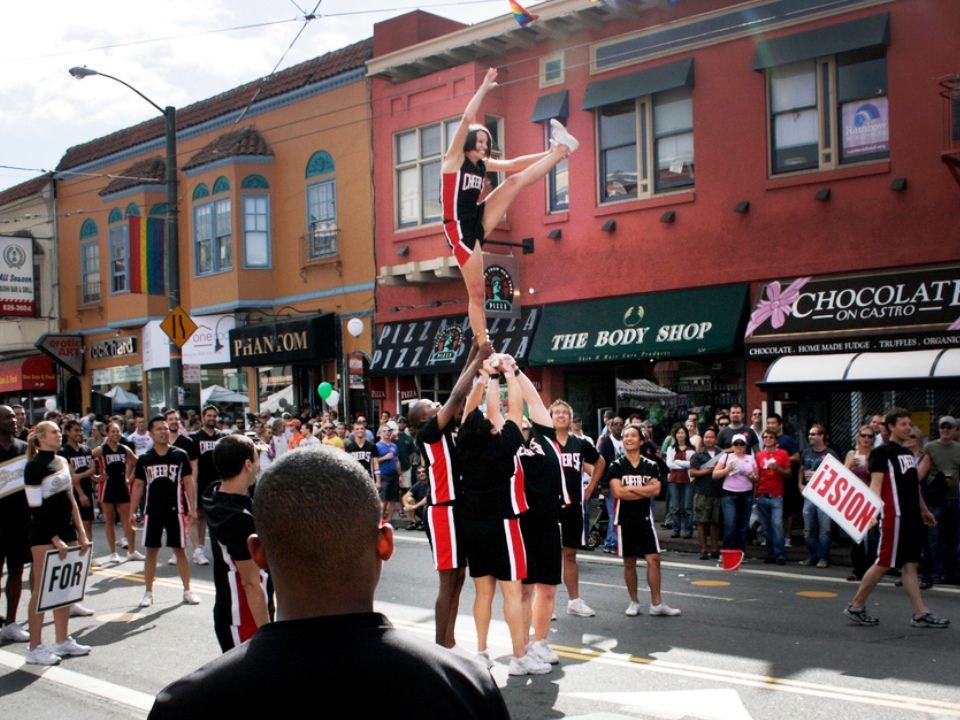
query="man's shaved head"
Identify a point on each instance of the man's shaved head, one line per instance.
(317, 513)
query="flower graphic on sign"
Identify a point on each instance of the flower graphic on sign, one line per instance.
(776, 306)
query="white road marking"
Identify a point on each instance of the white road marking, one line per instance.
(80, 682)
(701, 704)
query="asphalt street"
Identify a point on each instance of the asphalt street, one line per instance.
(762, 642)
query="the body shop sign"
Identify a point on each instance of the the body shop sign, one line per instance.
(668, 324)
(911, 309)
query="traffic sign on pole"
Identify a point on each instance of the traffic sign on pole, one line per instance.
(178, 326)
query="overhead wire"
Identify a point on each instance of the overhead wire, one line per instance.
(400, 93)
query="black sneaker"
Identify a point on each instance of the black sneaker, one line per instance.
(861, 616)
(929, 620)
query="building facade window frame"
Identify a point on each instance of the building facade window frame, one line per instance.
(649, 138)
(810, 102)
(213, 237)
(322, 230)
(257, 251)
(418, 155)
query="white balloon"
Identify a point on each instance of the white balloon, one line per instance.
(50, 404)
(333, 398)
(355, 326)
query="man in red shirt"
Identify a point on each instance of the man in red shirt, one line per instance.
(774, 465)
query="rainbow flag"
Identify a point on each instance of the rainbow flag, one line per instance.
(146, 255)
(520, 14)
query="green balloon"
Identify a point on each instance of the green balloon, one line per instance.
(324, 389)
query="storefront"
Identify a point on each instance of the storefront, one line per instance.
(837, 349)
(658, 354)
(423, 358)
(290, 358)
(207, 371)
(116, 375)
(29, 382)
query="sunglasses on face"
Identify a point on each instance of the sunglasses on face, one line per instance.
(866, 436)
(739, 444)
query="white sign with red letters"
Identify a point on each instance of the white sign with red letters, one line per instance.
(843, 496)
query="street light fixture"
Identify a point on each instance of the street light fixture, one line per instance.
(172, 247)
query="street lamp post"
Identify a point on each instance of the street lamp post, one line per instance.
(171, 244)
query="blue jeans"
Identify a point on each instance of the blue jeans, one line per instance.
(586, 517)
(770, 510)
(681, 506)
(736, 518)
(611, 539)
(817, 527)
(943, 542)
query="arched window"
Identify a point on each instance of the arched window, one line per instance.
(89, 263)
(321, 207)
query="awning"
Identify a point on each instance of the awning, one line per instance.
(438, 345)
(640, 83)
(642, 389)
(29, 373)
(680, 323)
(554, 105)
(873, 31)
(864, 367)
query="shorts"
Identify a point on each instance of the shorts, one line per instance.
(115, 492)
(637, 539)
(706, 509)
(15, 539)
(64, 531)
(463, 236)
(571, 527)
(542, 543)
(495, 547)
(901, 540)
(443, 531)
(155, 522)
(405, 476)
(86, 512)
(389, 488)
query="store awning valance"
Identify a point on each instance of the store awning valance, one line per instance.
(29, 373)
(864, 367)
(867, 32)
(680, 323)
(435, 345)
(640, 83)
(554, 105)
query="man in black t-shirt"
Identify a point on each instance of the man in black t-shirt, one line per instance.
(326, 567)
(14, 527)
(164, 473)
(575, 454)
(82, 470)
(243, 600)
(893, 477)
(634, 480)
(180, 440)
(205, 439)
(364, 451)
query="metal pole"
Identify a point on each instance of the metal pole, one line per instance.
(172, 254)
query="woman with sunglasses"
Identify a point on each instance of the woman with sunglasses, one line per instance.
(864, 553)
(739, 473)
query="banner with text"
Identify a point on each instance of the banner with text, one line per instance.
(16, 277)
(64, 581)
(843, 496)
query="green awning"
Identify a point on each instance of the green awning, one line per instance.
(554, 105)
(873, 31)
(637, 84)
(679, 323)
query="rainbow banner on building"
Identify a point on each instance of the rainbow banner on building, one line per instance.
(520, 14)
(146, 255)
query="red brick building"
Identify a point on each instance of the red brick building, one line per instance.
(724, 146)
